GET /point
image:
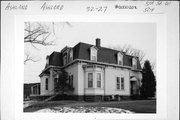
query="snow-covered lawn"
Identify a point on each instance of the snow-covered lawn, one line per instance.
(80, 109)
(28, 103)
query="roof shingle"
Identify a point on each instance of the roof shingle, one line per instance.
(82, 51)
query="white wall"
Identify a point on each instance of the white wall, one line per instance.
(73, 70)
(81, 79)
(50, 84)
(43, 85)
(110, 81)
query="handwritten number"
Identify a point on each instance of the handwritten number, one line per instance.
(96, 9)
(148, 9)
(159, 3)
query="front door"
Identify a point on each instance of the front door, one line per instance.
(133, 87)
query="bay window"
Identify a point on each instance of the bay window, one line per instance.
(99, 80)
(90, 80)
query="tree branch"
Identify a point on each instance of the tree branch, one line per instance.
(28, 58)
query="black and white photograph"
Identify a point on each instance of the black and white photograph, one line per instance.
(89, 60)
(90, 67)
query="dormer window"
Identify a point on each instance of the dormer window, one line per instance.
(65, 59)
(93, 53)
(134, 63)
(119, 58)
(71, 55)
(47, 60)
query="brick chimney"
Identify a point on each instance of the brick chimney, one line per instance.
(98, 42)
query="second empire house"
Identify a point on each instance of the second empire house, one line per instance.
(95, 72)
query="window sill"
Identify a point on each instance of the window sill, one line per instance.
(94, 88)
(119, 90)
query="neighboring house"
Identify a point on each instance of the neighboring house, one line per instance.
(31, 89)
(35, 89)
(95, 72)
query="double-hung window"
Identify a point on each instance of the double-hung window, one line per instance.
(120, 83)
(99, 80)
(90, 80)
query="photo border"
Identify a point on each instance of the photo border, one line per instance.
(161, 56)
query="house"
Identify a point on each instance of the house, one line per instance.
(31, 89)
(35, 89)
(96, 72)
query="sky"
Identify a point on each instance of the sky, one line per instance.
(140, 36)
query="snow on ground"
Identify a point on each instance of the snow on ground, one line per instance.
(28, 103)
(80, 109)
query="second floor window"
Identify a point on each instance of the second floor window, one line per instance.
(93, 54)
(71, 55)
(93, 58)
(120, 58)
(90, 80)
(65, 60)
(120, 62)
(134, 63)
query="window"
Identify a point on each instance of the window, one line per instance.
(93, 53)
(120, 83)
(71, 55)
(46, 84)
(99, 80)
(47, 60)
(65, 60)
(120, 62)
(90, 80)
(119, 58)
(134, 63)
(93, 58)
(71, 81)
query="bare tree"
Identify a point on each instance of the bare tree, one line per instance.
(29, 57)
(37, 33)
(153, 66)
(128, 50)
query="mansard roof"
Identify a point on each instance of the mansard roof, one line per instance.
(82, 51)
(55, 59)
